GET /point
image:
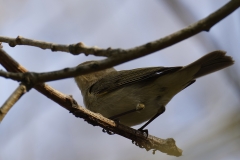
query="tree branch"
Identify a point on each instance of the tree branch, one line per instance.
(133, 53)
(164, 145)
(115, 56)
(16, 95)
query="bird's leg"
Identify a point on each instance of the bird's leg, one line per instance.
(139, 107)
(189, 84)
(145, 131)
(160, 111)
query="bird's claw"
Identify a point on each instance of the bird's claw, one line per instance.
(137, 144)
(108, 132)
(144, 132)
(154, 151)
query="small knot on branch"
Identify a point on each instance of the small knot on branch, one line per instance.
(76, 49)
(29, 78)
(53, 47)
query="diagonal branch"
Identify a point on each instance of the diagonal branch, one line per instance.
(16, 95)
(164, 145)
(127, 55)
(115, 56)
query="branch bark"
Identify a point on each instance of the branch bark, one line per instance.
(16, 95)
(115, 56)
(164, 145)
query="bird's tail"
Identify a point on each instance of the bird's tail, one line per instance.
(212, 62)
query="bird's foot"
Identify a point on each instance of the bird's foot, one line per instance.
(144, 132)
(108, 132)
(137, 144)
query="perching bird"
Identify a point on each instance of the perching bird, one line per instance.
(135, 96)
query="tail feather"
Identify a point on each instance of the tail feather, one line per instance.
(212, 62)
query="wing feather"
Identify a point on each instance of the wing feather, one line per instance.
(117, 80)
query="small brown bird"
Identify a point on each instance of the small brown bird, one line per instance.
(135, 96)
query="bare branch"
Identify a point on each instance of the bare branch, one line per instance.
(116, 56)
(16, 95)
(133, 53)
(11, 65)
(164, 145)
(74, 49)
(150, 142)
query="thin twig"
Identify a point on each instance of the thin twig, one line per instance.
(118, 56)
(74, 49)
(15, 96)
(164, 145)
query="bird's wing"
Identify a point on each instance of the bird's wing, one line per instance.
(120, 79)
